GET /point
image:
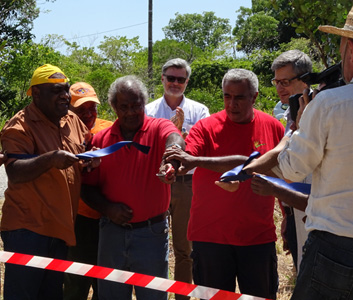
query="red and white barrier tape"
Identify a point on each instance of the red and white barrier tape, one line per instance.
(126, 277)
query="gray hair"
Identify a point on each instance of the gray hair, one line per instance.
(178, 63)
(300, 62)
(127, 84)
(237, 75)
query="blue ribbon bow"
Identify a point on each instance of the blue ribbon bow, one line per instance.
(237, 174)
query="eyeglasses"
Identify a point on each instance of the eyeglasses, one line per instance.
(173, 78)
(283, 82)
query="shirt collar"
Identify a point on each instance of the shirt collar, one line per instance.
(166, 106)
(36, 115)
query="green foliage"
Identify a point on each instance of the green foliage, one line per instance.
(208, 75)
(254, 31)
(19, 63)
(120, 52)
(263, 25)
(16, 20)
(310, 14)
(267, 99)
(201, 31)
(213, 101)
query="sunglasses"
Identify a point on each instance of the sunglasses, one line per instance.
(173, 78)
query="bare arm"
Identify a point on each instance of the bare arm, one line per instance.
(118, 213)
(219, 164)
(294, 199)
(174, 141)
(24, 170)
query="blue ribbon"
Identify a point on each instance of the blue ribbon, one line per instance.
(92, 154)
(237, 174)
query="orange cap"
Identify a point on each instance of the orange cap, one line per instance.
(82, 92)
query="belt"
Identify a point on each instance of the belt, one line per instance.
(146, 223)
(288, 210)
(184, 178)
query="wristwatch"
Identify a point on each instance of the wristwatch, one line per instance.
(173, 144)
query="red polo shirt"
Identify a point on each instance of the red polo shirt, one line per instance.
(128, 175)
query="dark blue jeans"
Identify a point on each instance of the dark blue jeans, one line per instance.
(255, 268)
(27, 282)
(142, 250)
(326, 271)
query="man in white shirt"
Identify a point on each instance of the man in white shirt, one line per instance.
(323, 146)
(184, 113)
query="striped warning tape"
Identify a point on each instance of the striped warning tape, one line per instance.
(126, 277)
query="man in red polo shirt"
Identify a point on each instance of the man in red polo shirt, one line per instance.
(132, 199)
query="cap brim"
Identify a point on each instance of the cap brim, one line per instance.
(83, 100)
(338, 31)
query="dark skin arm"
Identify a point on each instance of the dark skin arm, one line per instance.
(173, 138)
(294, 199)
(24, 170)
(118, 213)
(219, 164)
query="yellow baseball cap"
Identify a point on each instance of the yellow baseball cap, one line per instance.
(42, 75)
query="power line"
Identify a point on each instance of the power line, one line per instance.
(107, 31)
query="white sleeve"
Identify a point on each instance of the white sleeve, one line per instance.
(305, 150)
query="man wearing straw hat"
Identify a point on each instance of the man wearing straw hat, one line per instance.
(41, 200)
(323, 146)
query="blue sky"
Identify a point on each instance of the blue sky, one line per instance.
(87, 22)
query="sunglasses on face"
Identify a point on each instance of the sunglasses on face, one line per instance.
(173, 78)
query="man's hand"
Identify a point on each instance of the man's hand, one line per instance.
(62, 159)
(3, 158)
(119, 213)
(188, 161)
(230, 186)
(178, 118)
(92, 163)
(262, 187)
(166, 173)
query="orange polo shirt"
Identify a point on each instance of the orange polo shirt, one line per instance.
(48, 204)
(83, 208)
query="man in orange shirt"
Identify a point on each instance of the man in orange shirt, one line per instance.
(41, 200)
(84, 102)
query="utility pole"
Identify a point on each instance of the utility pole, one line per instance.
(150, 44)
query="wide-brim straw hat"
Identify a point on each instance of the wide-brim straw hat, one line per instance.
(346, 31)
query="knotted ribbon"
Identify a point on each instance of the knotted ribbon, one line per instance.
(238, 174)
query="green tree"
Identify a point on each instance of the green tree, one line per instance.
(201, 31)
(263, 27)
(19, 63)
(120, 52)
(310, 14)
(255, 31)
(16, 21)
